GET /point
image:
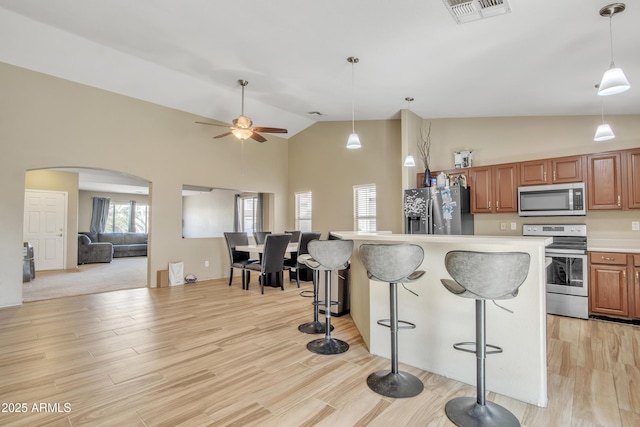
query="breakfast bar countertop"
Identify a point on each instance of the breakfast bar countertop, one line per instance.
(442, 318)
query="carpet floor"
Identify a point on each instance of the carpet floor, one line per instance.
(121, 273)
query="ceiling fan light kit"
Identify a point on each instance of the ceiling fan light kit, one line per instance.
(242, 127)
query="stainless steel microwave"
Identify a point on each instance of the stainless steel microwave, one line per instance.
(552, 200)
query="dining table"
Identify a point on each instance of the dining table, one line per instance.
(291, 248)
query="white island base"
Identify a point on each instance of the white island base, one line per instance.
(442, 319)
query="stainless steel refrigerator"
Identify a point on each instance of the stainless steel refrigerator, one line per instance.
(438, 210)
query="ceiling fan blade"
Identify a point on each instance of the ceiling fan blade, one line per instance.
(270, 130)
(222, 135)
(212, 124)
(257, 137)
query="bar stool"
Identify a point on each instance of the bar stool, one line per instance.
(315, 326)
(483, 276)
(328, 255)
(394, 263)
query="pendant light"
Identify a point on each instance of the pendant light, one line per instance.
(354, 141)
(409, 161)
(613, 81)
(604, 131)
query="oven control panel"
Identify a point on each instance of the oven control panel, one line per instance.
(554, 230)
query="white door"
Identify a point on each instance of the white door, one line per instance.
(45, 216)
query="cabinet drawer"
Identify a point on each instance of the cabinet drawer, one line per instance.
(610, 258)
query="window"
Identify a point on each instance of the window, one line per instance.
(364, 207)
(303, 211)
(127, 216)
(249, 206)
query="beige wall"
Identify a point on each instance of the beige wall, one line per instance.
(319, 162)
(49, 122)
(66, 182)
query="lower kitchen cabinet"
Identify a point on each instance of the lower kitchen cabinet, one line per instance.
(614, 284)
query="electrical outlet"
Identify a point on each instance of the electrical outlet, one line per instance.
(635, 225)
(503, 226)
(206, 263)
(514, 226)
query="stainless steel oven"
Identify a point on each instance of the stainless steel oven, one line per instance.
(567, 272)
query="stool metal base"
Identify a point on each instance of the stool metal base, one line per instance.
(397, 385)
(327, 346)
(465, 411)
(313, 328)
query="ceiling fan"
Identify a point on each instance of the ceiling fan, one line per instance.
(242, 127)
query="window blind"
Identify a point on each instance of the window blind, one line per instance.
(303, 211)
(364, 199)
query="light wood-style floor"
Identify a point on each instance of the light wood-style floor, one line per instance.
(210, 354)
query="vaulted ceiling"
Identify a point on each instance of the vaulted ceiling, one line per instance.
(542, 58)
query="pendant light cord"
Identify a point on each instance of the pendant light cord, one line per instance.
(611, 37)
(353, 95)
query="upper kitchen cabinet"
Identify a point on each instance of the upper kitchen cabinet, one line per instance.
(494, 189)
(633, 178)
(552, 171)
(604, 181)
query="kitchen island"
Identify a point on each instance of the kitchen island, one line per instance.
(442, 319)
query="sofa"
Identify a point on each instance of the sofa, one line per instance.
(92, 252)
(124, 244)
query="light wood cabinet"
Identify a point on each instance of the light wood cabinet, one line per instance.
(614, 284)
(608, 286)
(552, 171)
(494, 189)
(604, 181)
(632, 175)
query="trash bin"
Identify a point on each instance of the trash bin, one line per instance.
(28, 265)
(340, 291)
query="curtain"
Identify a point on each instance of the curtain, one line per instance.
(99, 214)
(236, 213)
(132, 216)
(259, 217)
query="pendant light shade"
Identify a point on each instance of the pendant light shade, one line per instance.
(409, 161)
(354, 141)
(604, 133)
(613, 81)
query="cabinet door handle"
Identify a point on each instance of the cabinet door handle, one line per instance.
(497, 204)
(606, 258)
(489, 204)
(618, 200)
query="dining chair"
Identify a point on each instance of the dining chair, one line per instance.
(293, 258)
(292, 263)
(275, 246)
(260, 236)
(238, 259)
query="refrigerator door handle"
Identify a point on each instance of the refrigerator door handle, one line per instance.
(430, 216)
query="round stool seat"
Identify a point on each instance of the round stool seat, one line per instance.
(483, 276)
(328, 255)
(393, 263)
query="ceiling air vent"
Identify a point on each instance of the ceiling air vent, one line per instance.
(472, 10)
